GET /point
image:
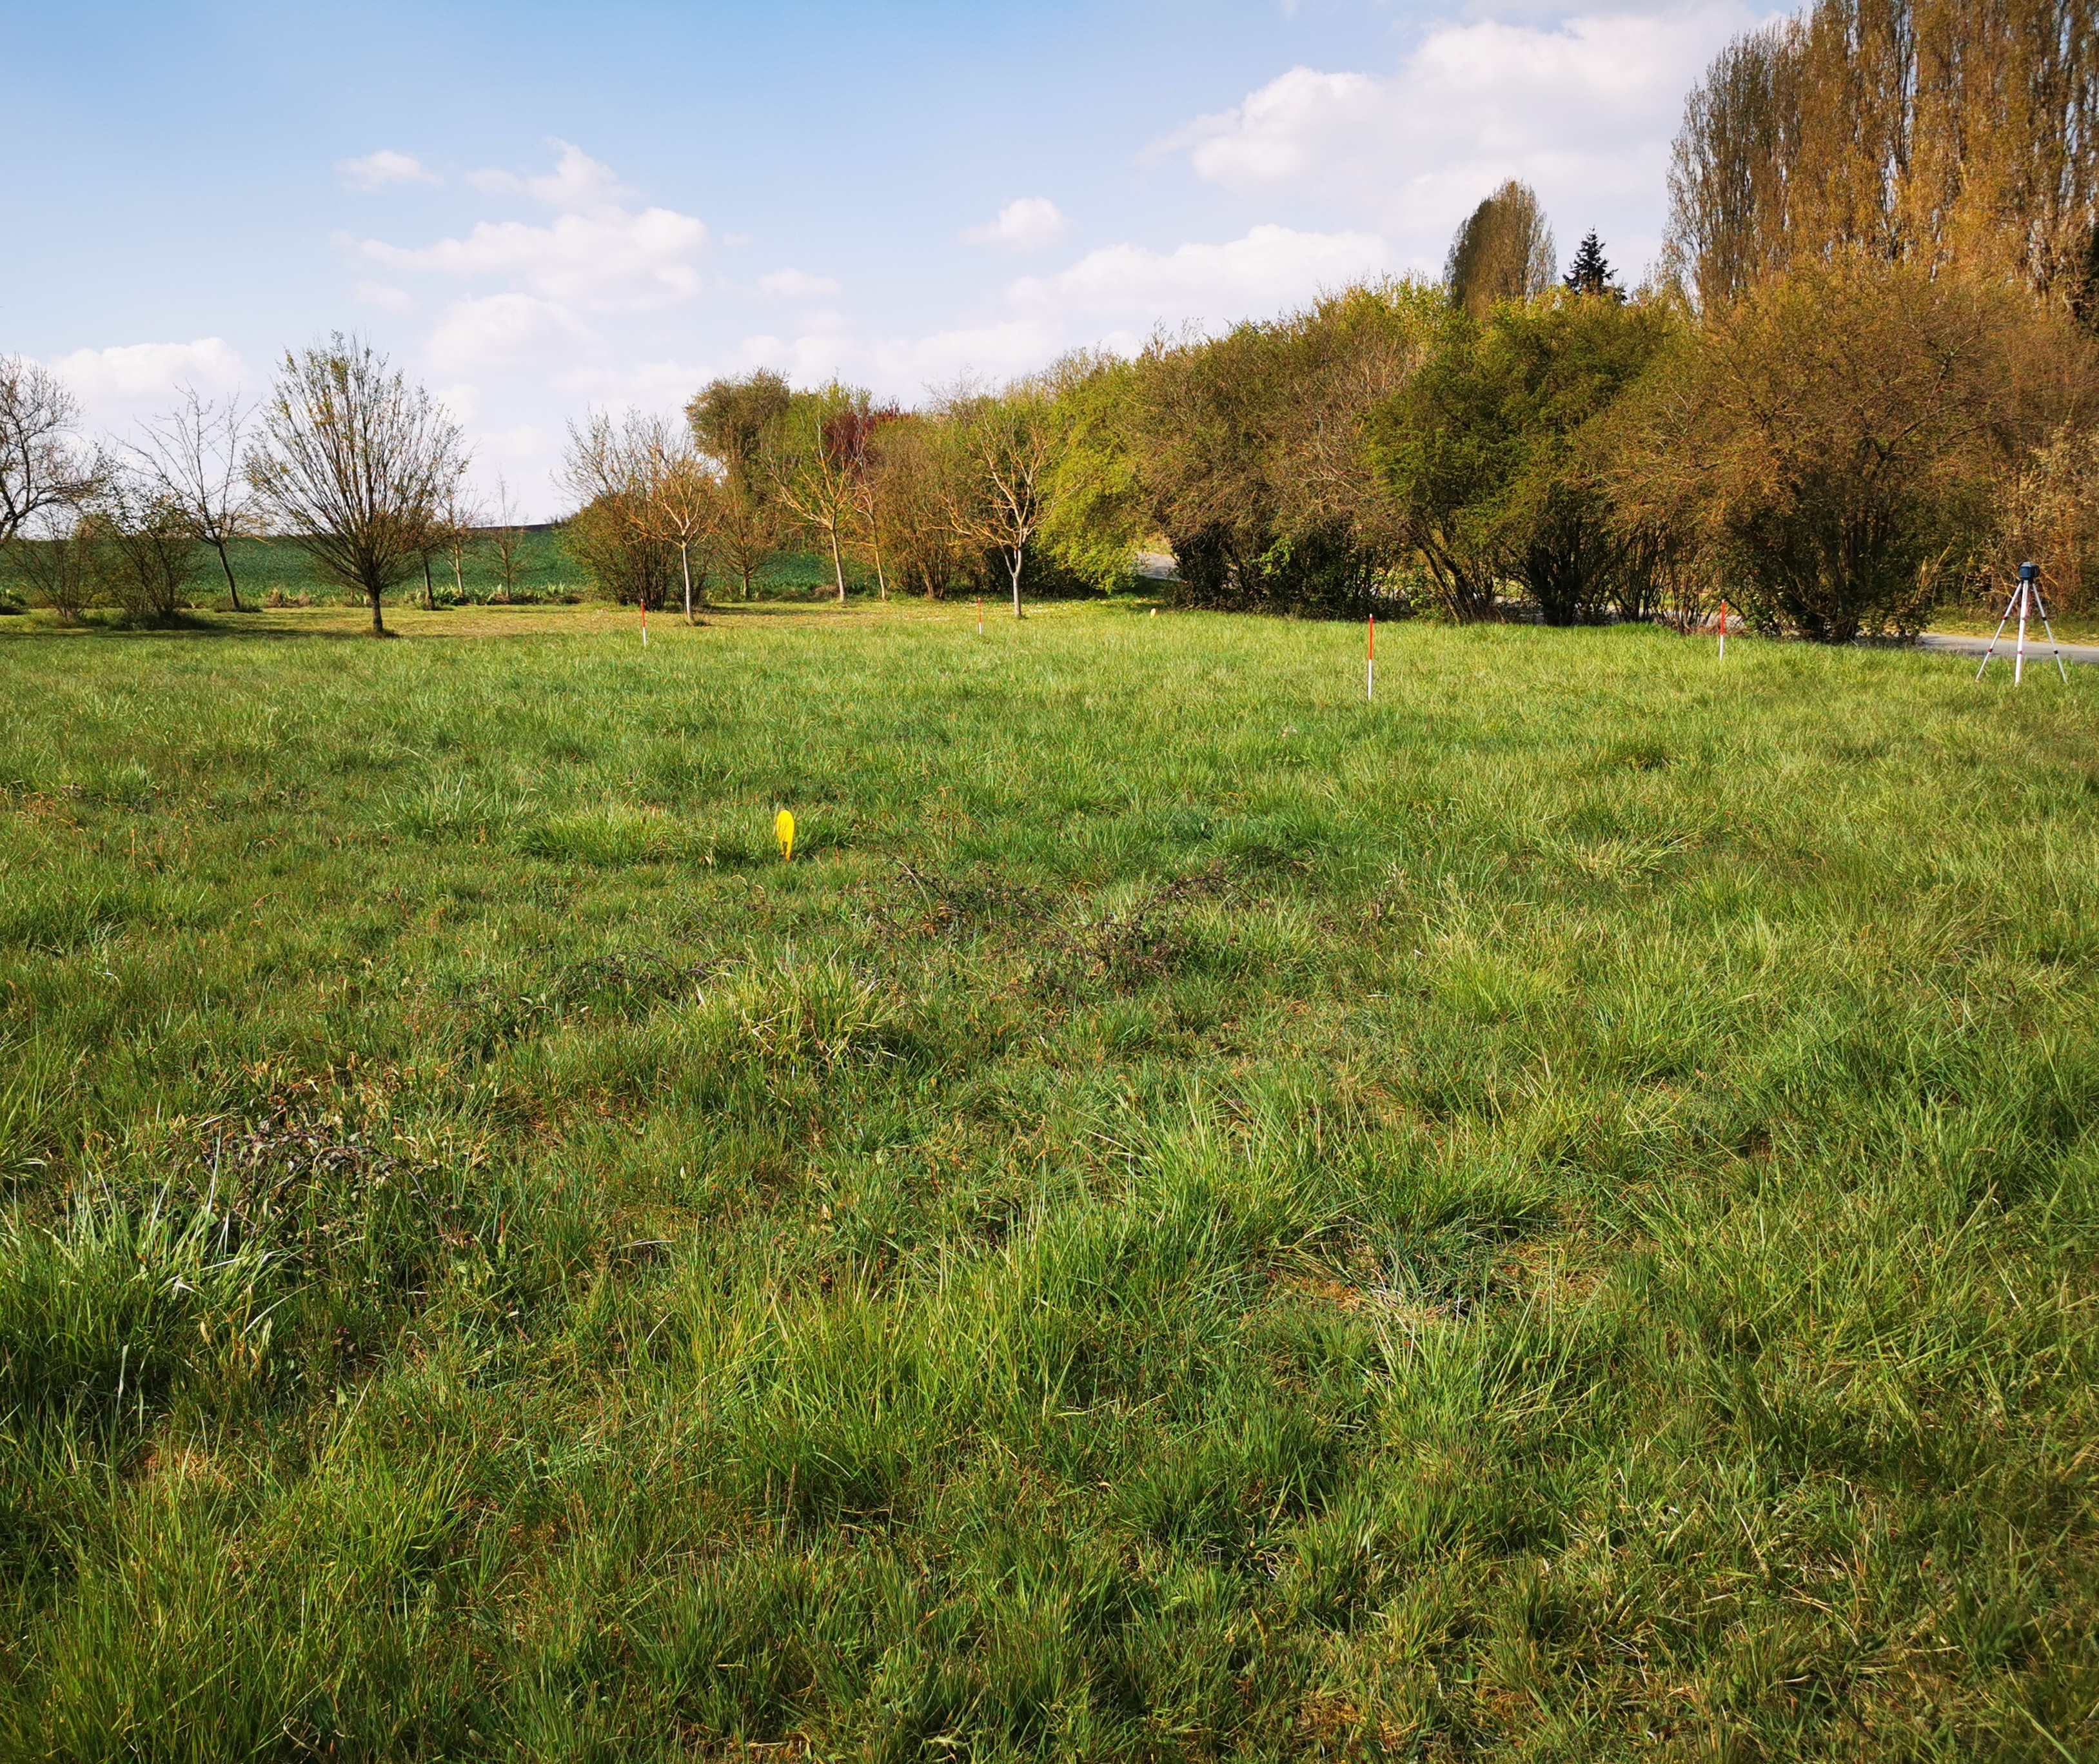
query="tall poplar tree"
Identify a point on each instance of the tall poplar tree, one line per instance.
(1938, 133)
(1504, 251)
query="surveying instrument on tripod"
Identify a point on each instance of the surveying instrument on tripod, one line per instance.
(2025, 598)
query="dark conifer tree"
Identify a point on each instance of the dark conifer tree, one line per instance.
(1590, 273)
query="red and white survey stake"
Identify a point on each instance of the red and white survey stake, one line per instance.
(979, 618)
(1723, 631)
(645, 624)
(1370, 665)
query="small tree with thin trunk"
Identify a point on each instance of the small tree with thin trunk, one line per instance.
(809, 461)
(640, 474)
(433, 542)
(684, 507)
(1005, 484)
(461, 522)
(506, 542)
(855, 433)
(354, 465)
(615, 543)
(747, 533)
(192, 454)
(450, 535)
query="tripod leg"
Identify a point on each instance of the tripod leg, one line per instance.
(1999, 632)
(2054, 648)
(2019, 658)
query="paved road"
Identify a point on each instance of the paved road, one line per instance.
(1157, 566)
(2036, 652)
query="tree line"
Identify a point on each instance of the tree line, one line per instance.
(1863, 380)
(347, 459)
(981, 488)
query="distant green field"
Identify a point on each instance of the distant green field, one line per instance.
(260, 565)
(1551, 1217)
(550, 573)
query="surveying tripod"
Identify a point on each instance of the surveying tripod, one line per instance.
(2026, 599)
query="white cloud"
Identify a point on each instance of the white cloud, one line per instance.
(902, 366)
(1271, 267)
(502, 330)
(1584, 109)
(597, 253)
(375, 171)
(1027, 223)
(117, 386)
(1112, 297)
(463, 401)
(578, 184)
(386, 298)
(650, 386)
(634, 261)
(797, 284)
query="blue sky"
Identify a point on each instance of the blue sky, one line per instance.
(537, 207)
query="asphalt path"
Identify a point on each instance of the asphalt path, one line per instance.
(2037, 651)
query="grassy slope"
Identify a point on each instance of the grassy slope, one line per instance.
(1552, 1217)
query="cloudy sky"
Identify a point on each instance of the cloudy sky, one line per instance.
(540, 206)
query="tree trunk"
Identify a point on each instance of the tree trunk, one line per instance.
(685, 570)
(838, 566)
(232, 587)
(459, 579)
(882, 581)
(429, 588)
(1016, 613)
(378, 623)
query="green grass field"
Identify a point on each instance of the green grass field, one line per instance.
(547, 572)
(1551, 1217)
(274, 574)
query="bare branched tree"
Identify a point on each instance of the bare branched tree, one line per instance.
(1005, 482)
(452, 534)
(43, 462)
(904, 505)
(684, 506)
(856, 433)
(809, 460)
(506, 541)
(355, 464)
(192, 454)
(643, 475)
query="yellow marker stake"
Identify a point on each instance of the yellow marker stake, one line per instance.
(783, 828)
